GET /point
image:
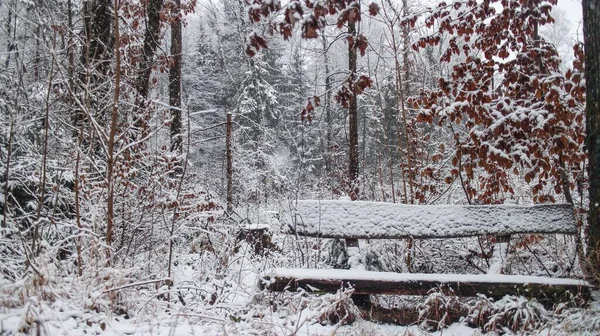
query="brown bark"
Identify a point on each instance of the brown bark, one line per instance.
(96, 30)
(353, 167)
(111, 138)
(403, 80)
(175, 77)
(543, 292)
(228, 143)
(6, 176)
(327, 104)
(96, 52)
(44, 161)
(10, 45)
(70, 51)
(77, 208)
(151, 42)
(591, 36)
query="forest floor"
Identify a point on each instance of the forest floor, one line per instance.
(63, 308)
(63, 318)
(208, 299)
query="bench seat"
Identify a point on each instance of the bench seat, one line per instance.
(367, 282)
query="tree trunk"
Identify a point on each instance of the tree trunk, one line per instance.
(7, 175)
(10, 45)
(591, 37)
(175, 78)
(77, 207)
(96, 54)
(327, 105)
(44, 169)
(353, 169)
(404, 91)
(70, 44)
(151, 42)
(97, 22)
(228, 142)
(111, 140)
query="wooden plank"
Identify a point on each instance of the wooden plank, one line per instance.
(497, 286)
(376, 220)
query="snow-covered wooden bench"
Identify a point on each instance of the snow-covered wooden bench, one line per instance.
(369, 220)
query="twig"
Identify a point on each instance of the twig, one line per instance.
(141, 283)
(200, 315)
(5, 211)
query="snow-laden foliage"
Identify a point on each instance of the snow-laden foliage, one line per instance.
(104, 229)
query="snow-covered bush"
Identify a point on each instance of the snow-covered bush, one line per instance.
(339, 308)
(514, 313)
(578, 321)
(440, 309)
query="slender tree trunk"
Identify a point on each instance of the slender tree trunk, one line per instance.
(36, 58)
(44, 161)
(564, 180)
(353, 165)
(379, 159)
(328, 124)
(390, 162)
(111, 138)
(175, 78)
(229, 154)
(400, 115)
(327, 104)
(175, 213)
(70, 52)
(6, 176)
(77, 202)
(591, 36)
(403, 87)
(10, 44)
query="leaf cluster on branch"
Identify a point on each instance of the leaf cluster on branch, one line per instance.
(506, 101)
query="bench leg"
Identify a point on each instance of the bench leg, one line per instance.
(499, 255)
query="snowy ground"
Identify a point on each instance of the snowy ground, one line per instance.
(225, 300)
(56, 323)
(241, 313)
(52, 321)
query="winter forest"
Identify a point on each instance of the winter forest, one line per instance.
(153, 151)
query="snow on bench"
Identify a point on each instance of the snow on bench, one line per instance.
(367, 282)
(353, 220)
(377, 220)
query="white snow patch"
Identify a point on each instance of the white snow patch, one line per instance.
(377, 220)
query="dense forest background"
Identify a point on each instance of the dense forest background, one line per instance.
(133, 132)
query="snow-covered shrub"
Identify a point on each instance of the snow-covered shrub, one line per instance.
(339, 308)
(440, 309)
(543, 255)
(516, 313)
(480, 310)
(575, 319)
(386, 256)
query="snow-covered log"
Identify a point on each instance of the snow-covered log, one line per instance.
(365, 282)
(376, 220)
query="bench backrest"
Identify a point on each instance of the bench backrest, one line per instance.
(377, 220)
